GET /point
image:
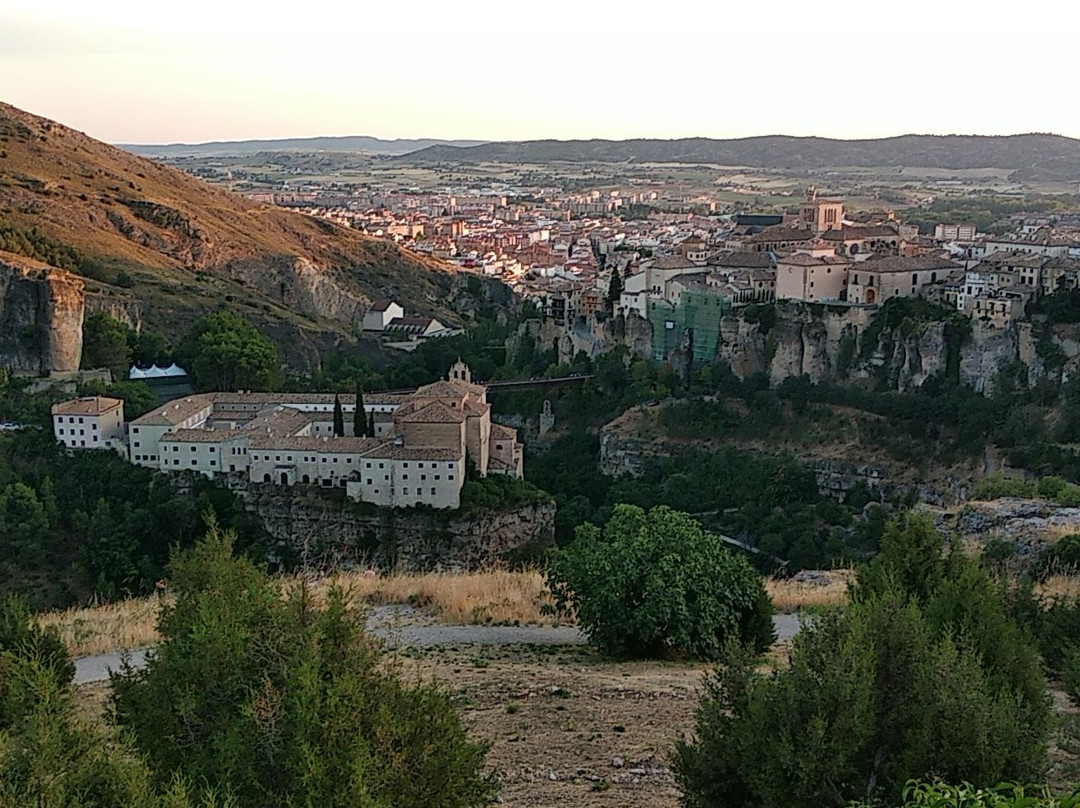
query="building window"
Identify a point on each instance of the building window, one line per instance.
(404, 476)
(432, 492)
(405, 491)
(449, 476)
(212, 450)
(213, 462)
(369, 481)
(423, 476)
(194, 462)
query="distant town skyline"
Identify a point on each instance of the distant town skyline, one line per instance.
(126, 72)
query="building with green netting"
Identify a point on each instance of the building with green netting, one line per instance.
(699, 309)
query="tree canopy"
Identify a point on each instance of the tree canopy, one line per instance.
(652, 584)
(923, 674)
(223, 351)
(282, 700)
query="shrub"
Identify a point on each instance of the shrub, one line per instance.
(282, 701)
(1003, 795)
(923, 673)
(654, 584)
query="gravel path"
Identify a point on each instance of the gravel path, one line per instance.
(403, 626)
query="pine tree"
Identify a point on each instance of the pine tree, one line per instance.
(359, 422)
(339, 418)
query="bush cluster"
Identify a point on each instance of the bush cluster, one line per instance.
(655, 584)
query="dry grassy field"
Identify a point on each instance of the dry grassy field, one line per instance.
(489, 597)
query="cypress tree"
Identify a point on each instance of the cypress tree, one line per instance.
(339, 417)
(371, 424)
(615, 288)
(359, 423)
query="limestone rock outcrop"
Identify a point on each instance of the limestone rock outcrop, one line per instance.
(316, 527)
(41, 317)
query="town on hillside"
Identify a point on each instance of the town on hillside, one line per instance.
(575, 256)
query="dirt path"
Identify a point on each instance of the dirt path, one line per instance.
(405, 627)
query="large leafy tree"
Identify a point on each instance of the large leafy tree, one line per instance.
(106, 344)
(654, 584)
(226, 352)
(923, 674)
(285, 701)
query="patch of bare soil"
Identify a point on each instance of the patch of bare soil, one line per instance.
(567, 727)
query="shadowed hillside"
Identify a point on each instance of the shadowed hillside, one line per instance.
(1034, 157)
(160, 247)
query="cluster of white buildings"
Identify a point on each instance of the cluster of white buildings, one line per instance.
(417, 455)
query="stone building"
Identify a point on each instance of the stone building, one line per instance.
(416, 456)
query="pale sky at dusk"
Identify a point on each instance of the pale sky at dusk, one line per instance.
(142, 72)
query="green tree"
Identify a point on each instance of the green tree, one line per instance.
(371, 424)
(24, 524)
(912, 679)
(223, 351)
(49, 754)
(615, 289)
(106, 344)
(655, 583)
(339, 417)
(359, 422)
(284, 701)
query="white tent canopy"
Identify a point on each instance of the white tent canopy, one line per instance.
(154, 372)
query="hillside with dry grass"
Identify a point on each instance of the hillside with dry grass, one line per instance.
(161, 247)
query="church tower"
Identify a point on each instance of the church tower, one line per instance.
(459, 371)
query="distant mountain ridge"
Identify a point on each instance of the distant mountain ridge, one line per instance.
(239, 148)
(1031, 157)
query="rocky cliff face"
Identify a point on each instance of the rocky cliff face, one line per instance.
(315, 528)
(842, 345)
(592, 335)
(41, 317)
(623, 453)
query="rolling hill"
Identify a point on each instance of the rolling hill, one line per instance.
(1034, 157)
(241, 148)
(160, 247)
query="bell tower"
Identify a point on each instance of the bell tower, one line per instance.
(459, 371)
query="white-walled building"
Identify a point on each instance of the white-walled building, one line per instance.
(95, 422)
(417, 455)
(380, 314)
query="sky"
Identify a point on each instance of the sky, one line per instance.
(133, 71)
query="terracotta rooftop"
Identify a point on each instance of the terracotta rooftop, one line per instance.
(434, 413)
(900, 263)
(94, 405)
